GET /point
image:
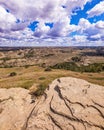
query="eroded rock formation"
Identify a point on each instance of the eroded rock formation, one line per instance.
(14, 108)
(68, 104)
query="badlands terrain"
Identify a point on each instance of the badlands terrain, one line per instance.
(23, 67)
(34, 96)
(10, 57)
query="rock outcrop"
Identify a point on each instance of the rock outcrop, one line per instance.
(14, 108)
(67, 104)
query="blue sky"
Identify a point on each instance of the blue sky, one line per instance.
(83, 13)
(51, 23)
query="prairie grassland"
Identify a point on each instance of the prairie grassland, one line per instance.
(26, 77)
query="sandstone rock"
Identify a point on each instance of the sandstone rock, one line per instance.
(14, 108)
(68, 104)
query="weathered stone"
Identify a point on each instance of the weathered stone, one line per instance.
(71, 104)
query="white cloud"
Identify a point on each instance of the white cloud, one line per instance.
(96, 36)
(93, 31)
(27, 11)
(6, 20)
(96, 10)
(42, 30)
(84, 23)
(80, 38)
(100, 24)
(41, 10)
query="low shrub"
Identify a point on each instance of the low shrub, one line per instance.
(76, 59)
(48, 69)
(66, 65)
(95, 67)
(13, 74)
(40, 90)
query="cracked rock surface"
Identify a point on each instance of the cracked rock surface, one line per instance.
(14, 108)
(68, 104)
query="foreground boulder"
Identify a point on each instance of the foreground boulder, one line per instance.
(14, 108)
(68, 104)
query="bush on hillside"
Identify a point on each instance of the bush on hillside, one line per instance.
(95, 67)
(76, 59)
(13, 74)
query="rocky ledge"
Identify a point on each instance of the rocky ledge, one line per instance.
(67, 104)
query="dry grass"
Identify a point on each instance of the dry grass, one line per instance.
(26, 77)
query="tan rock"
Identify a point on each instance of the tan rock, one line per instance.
(14, 108)
(68, 104)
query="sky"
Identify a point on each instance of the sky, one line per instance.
(52, 23)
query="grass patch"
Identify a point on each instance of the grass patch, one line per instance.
(42, 78)
(27, 84)
(36, 75)
(40, 90)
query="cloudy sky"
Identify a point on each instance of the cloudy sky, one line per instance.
(51, 22)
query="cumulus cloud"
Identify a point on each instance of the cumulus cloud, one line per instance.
(6, 20)
(93, 31)
(16, 15)
(41, 10)
(80, 38)
(96, 10)
(100, 24)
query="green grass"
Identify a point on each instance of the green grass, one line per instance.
(27, 84)
(95, 67)
(28, 77)
(40, 89)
